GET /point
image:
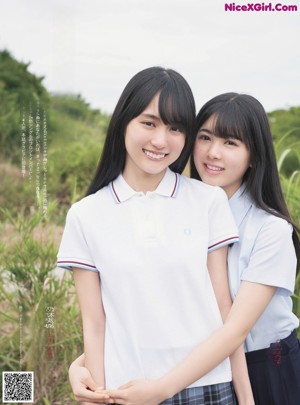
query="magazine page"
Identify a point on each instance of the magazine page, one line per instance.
(63, 67)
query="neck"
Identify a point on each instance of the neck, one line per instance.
(145, 182)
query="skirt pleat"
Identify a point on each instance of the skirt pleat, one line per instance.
(275, 373)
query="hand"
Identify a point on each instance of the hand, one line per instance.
(84, 387)
(138, 392)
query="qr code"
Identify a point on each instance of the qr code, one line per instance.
(17, 386)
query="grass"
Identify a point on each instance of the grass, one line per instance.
(39, 315)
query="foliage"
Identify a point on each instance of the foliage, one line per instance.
(288, 162)
(282, 121)
(285, 127)
(296, 300)
(15, 195)
(70, 171)
(76, 146)
(47, 142)
(20, 91)
(39, 316)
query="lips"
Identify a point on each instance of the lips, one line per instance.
(213, 169)
(154, 155)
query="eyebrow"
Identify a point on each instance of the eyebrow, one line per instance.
(151, 116)
(206, 130)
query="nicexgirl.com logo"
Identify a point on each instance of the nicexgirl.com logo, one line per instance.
(260, 7)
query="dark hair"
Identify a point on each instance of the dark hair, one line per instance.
(176, 106)
(243, 117)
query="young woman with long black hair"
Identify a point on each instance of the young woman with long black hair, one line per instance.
(234, 150)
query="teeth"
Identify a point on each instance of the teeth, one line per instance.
(154, 155)
(217, 169)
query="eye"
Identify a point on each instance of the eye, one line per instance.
(148, 124)
(175, 129)
(231, 142)
(203, 137)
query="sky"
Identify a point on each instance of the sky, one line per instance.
(93, 47)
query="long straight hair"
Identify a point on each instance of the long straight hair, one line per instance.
(243, 116)
(176, 106)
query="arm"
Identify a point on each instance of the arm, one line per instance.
(251, 301)
(88, 290)
(240, 377)
(217, 268)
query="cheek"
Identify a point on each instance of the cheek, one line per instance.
(198, 153)
(244, 162)
(133, 139)
(179, 143)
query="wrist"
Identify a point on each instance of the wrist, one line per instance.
(165, 390)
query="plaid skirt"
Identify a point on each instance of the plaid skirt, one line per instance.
(218, 394)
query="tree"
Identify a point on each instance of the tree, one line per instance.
(21, 94)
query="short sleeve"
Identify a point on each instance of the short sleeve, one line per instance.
(273, 258)
(73, 250)
(222, 228)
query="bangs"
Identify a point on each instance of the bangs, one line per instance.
(230, 125)
(176, 108)
(231, 118)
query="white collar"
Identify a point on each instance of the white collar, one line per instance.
(240, 203)
(167, 187)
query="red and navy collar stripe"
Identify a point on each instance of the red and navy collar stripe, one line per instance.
(115, 193)
(176, 186)
(170, 193)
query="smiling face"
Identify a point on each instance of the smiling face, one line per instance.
(151, 146)
(220, 161)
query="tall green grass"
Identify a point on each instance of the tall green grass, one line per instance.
(39, 316)
(288, 162)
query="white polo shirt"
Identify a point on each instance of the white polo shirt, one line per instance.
(264, 255)
(151, 252)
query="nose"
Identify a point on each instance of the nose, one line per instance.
(159, 139)
(214, 150)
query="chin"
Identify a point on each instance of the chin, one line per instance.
(211, 182)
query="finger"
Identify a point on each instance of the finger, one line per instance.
(93, 403)
(127, 385)
(117, 394)
(86, 395)
(121, 401)
(90, 383)
(104, 402)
